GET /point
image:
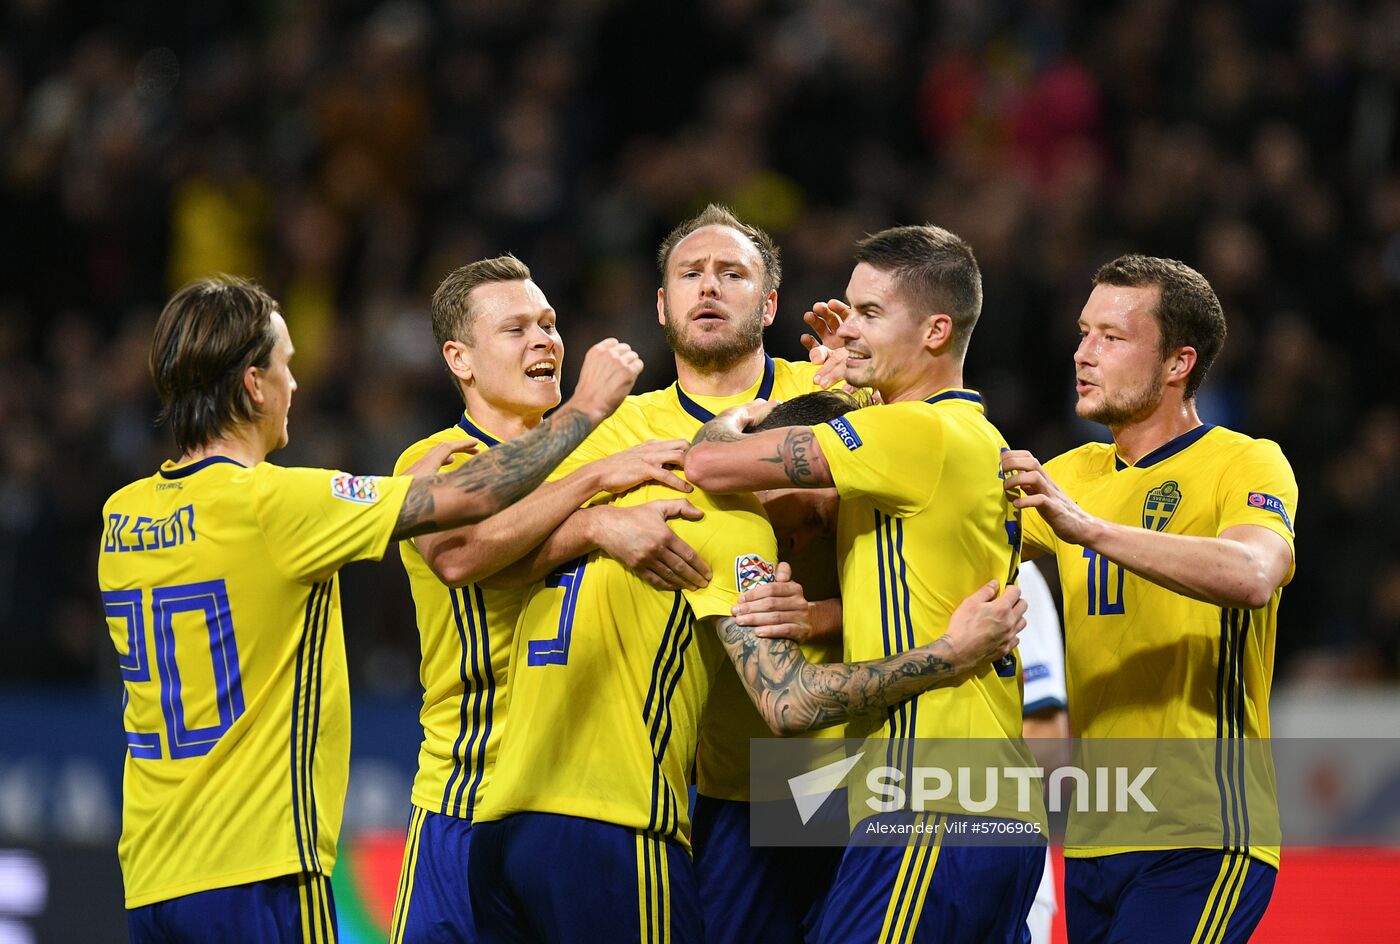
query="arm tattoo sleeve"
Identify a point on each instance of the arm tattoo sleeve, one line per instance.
(494, 479)
(793, 695)
(795, 456)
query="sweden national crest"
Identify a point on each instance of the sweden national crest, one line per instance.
(1160, 505)
(750, 570)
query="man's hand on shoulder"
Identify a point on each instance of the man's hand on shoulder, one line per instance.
(639, 538)
(651, 461)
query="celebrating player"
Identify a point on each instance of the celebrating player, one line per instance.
(719, 291)
(1173, 545)
(219, 580)
(583, 835)
(922, 521)
(498, 337)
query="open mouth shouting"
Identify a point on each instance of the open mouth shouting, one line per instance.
(543, 371)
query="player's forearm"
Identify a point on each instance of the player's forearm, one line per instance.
(778, 458)
(1219, 570)
(794, 695)
(476, 552)
(493, 480)
(572, 538)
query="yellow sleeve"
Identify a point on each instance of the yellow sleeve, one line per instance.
(318, 520)
(1033, 526)
(737, 541)
(891, 454)
(1258, 488)
(1036, 531)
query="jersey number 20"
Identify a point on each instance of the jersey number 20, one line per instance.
(208, 599)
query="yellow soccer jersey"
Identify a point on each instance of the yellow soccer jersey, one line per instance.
(220, 589)
(465, 635)
(1142, 661)
(730, 719)
(923, 523)
(609, 677)
(671, 413)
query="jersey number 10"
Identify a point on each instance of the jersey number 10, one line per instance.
(208, 599)
(1104, 574)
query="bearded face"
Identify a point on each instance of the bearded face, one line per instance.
(715, 303)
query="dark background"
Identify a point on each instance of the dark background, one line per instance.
(349, 155)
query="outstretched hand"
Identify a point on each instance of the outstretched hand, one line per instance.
(825, 319)
(443, 454)
(651, 461)
(1028, 485)
(826, 348)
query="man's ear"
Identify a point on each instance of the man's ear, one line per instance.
(459, 361)
(938, 332)
(252, 385)
(770, 308)
(1180, 364)
(661, 307)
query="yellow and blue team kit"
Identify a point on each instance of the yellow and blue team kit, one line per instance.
(1149, 666)
(730, 719)
(608, 683)
(912, 547)
(465, 635)
(733, 876)
(219, 584)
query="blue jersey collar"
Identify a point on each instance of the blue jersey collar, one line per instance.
(476, 432)
(194, 467)
(972, 395)
(765, 390)
(1164, 451)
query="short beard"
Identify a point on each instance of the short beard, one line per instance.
(721, 355)
(1129, 407)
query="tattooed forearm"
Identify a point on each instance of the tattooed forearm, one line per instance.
(492, 480)
(793, 695)
(416, 515)
(796, 454)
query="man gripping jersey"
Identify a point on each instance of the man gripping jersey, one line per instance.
(1173, 544)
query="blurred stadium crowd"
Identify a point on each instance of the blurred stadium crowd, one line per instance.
(349, 154)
